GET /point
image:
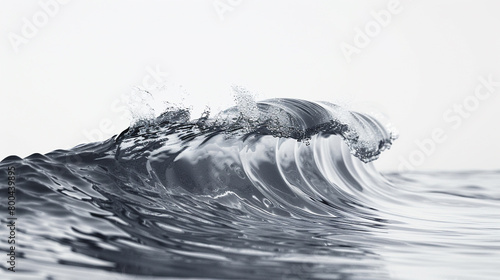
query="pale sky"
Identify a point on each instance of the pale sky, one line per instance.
(430, 66)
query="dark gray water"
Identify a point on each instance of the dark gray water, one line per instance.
(280, 189)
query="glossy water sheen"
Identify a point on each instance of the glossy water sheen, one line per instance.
(238, 197)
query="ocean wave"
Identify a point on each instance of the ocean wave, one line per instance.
(276, 189)
(208, 191)
(284, 153)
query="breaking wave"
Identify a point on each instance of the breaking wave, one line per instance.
(280, 188)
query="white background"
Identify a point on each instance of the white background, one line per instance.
(66, 81)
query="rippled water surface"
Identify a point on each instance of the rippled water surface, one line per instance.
(280, 189)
